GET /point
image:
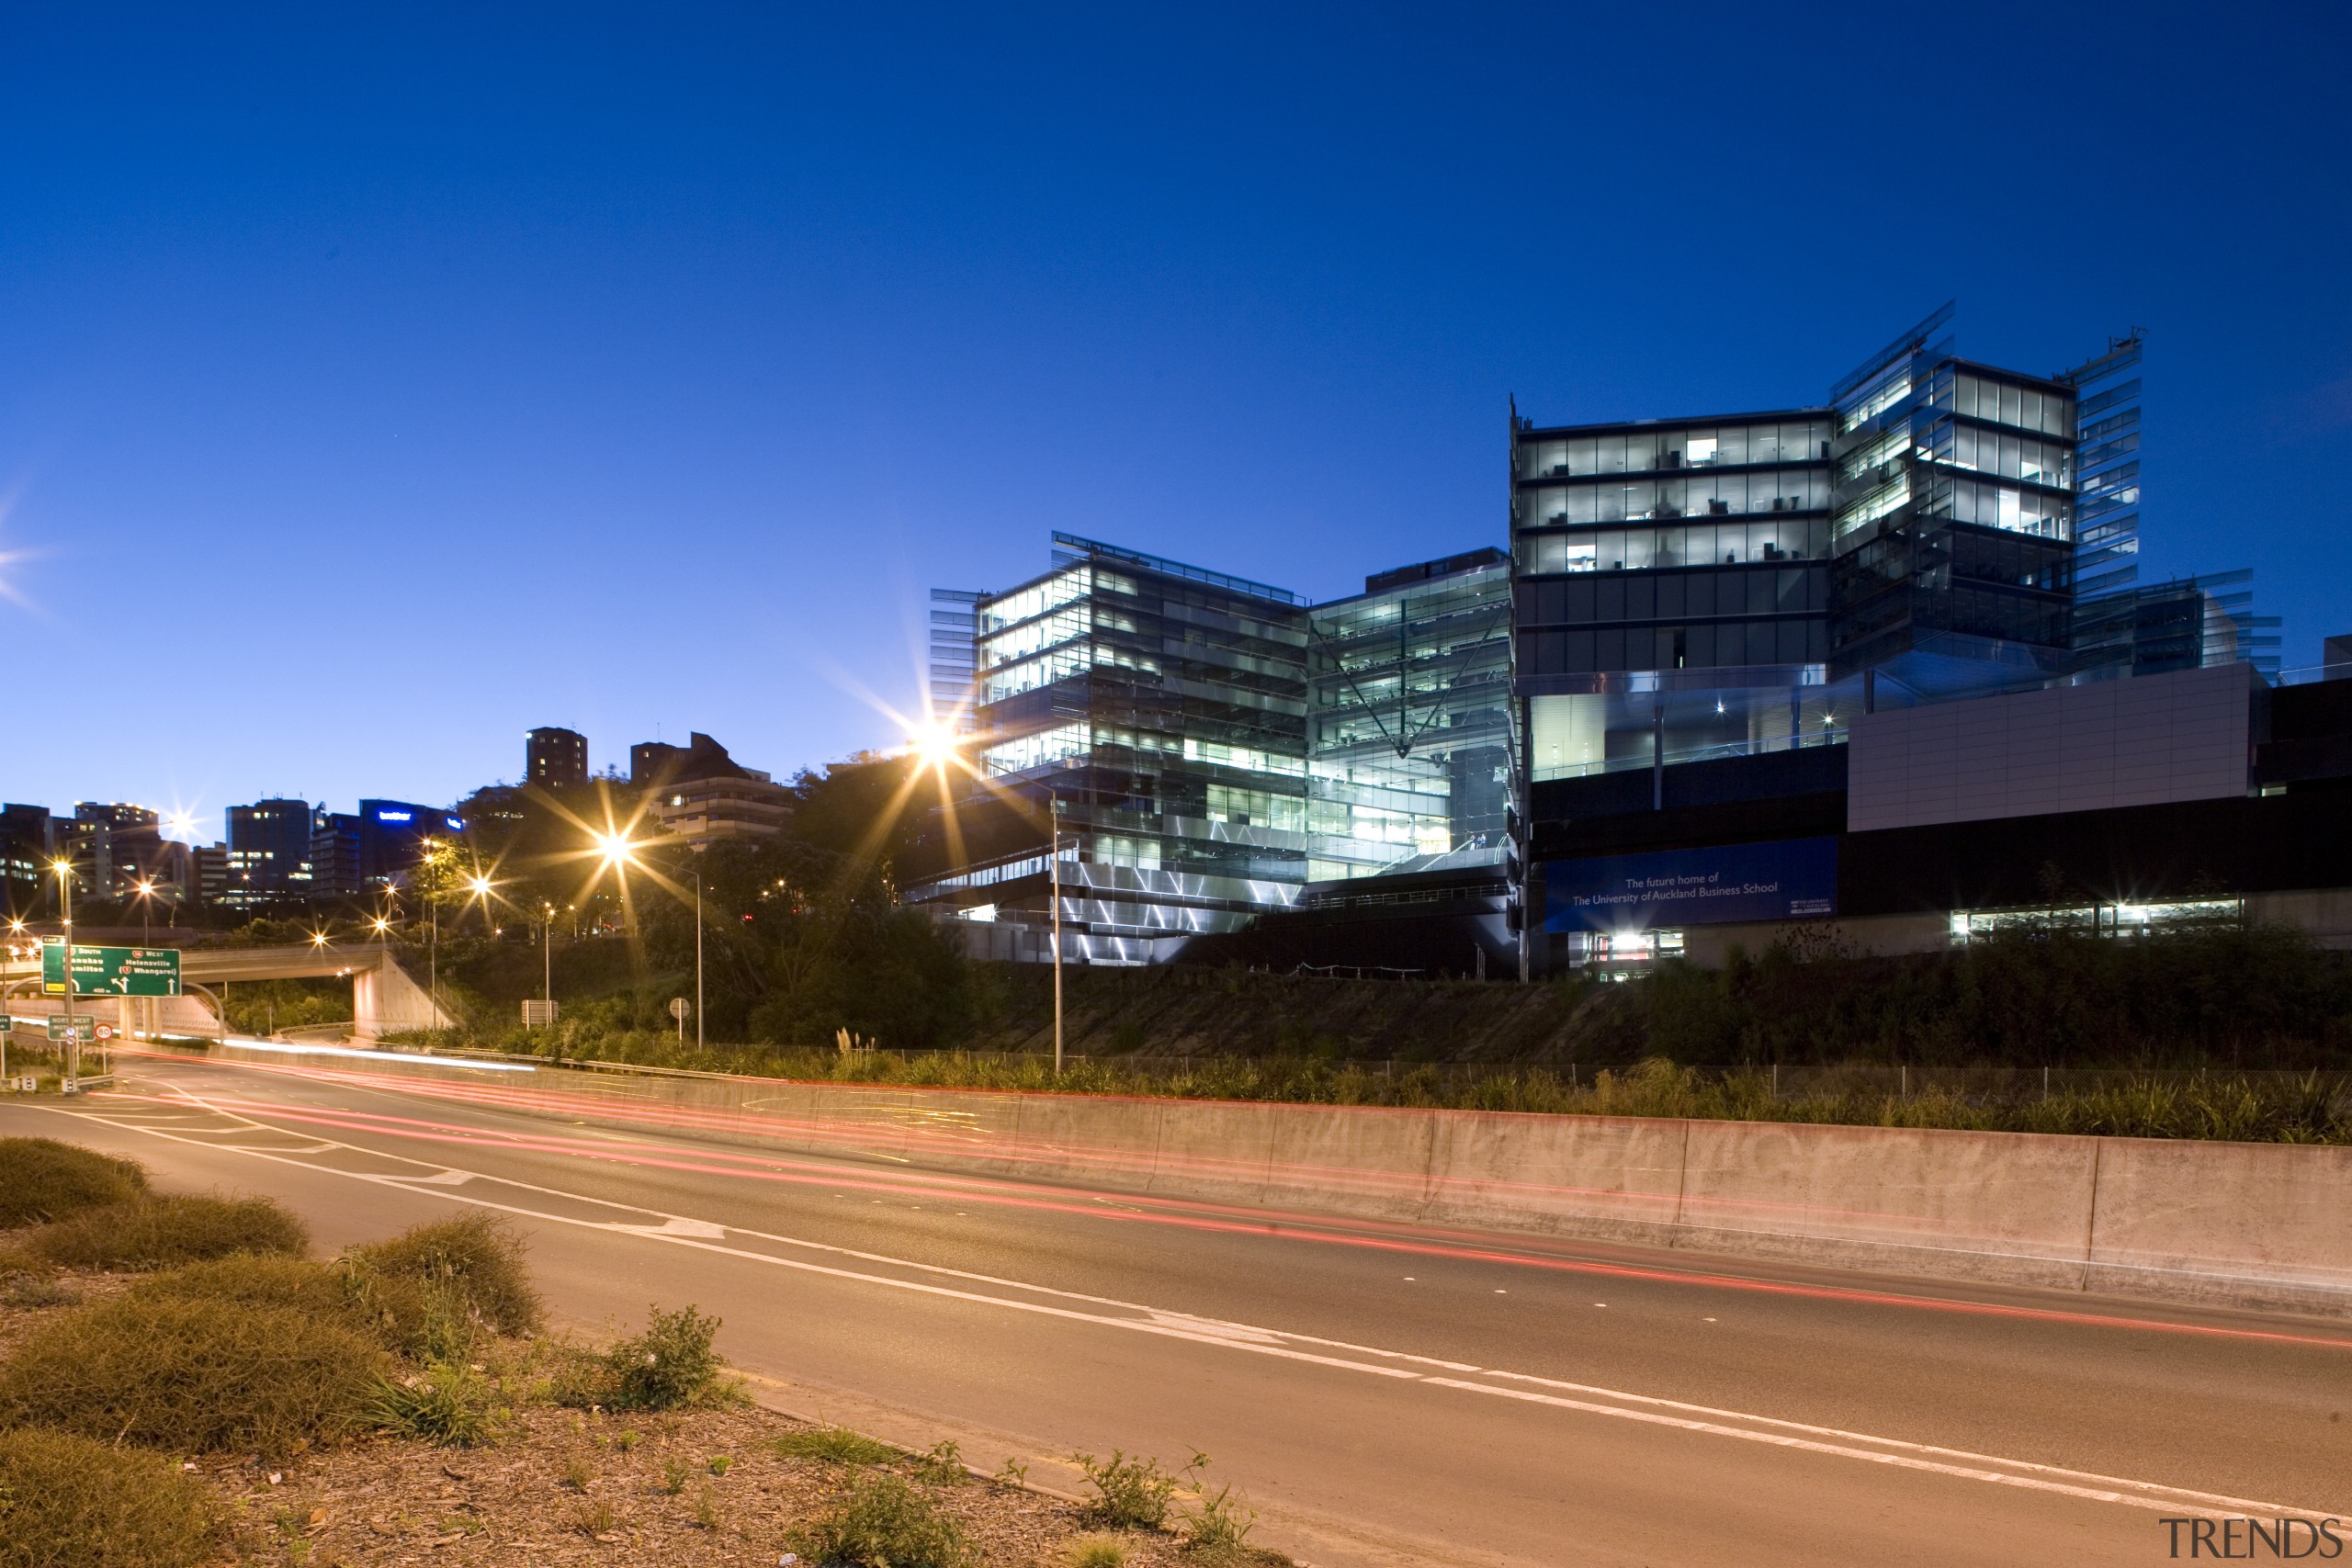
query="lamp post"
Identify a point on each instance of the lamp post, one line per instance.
(698, 1046)
(547, 955)
(64, 869)
(1054, 865)
(146, 887)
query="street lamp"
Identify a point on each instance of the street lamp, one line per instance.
(145, 889)
(698, 958)
(64, 869)
(1053, 863)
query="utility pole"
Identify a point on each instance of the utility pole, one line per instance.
(1054, 865)
(698, 1044)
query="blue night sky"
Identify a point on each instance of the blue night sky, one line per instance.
(374, 387)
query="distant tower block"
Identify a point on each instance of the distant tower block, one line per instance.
(555, 758)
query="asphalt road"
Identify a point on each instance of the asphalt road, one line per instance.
(1382, 1393)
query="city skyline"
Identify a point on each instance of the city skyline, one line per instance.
(431, 377)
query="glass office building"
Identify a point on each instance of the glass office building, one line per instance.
(1673, 594)
(1162, 709)
(1952, 522)
(1410, 723)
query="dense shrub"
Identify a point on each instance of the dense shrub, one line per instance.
(161, 1230)
(72, 1502)
(254, 1280)
(187, 1376)
(41, 1180)
(431, 1284)
(885, 1522)
(669, 1365)
(1129, 1494)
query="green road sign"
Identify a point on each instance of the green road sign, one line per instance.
(80, 1024)
(110, 971)
(7, 1024)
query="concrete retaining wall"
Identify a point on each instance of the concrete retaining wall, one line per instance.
(2266, 1225)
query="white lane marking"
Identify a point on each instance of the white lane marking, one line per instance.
(681, 1230)
(1901, 1461)
(676, 1225)
(440, 1178)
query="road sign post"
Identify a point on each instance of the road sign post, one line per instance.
(109, 971)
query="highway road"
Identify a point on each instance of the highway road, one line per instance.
(1384, 1393)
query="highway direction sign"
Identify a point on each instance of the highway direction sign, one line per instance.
(82, 1024)
(110, 971)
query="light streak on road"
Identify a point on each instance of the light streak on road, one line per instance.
(1182, 1213)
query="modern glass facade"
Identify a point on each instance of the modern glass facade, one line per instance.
(954, 626)
(1410, 724)
(1673, 588)
(1951, 521)
(1163, 707)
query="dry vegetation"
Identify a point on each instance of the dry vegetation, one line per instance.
(199, 1391)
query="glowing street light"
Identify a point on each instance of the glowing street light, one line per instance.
(934, 743)
(146, 889)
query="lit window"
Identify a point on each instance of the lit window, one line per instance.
(1700, 449)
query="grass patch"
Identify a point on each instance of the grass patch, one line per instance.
(71, 1502)
(42, 1179)
(163, 1230)
(886, 1523)
(1129, 1494)
(35, 1291)
(1094, 1551)
(447, 1402)
(188, 1377)
(835, 1445)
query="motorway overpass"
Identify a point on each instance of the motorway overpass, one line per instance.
(385, 997)
(1385, 1392)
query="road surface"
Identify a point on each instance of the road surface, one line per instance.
(1384, 1393)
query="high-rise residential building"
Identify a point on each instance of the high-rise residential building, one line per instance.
(555, 758)
(1409, 749)
(700, 793)
(114, 846)
(269, 852)
(24, 857)
(334, 854)
(209, 872)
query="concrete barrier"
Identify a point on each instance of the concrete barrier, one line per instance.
(2266, 1225)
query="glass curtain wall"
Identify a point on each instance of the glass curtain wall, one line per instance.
(1164, 706)
(1410, 724)
(1951, 521)
(1673, 590)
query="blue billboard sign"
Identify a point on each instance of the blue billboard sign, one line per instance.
(1789, 879)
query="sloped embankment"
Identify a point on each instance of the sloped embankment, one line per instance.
(1185, 1012)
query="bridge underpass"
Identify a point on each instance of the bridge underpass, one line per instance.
(384, 997)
